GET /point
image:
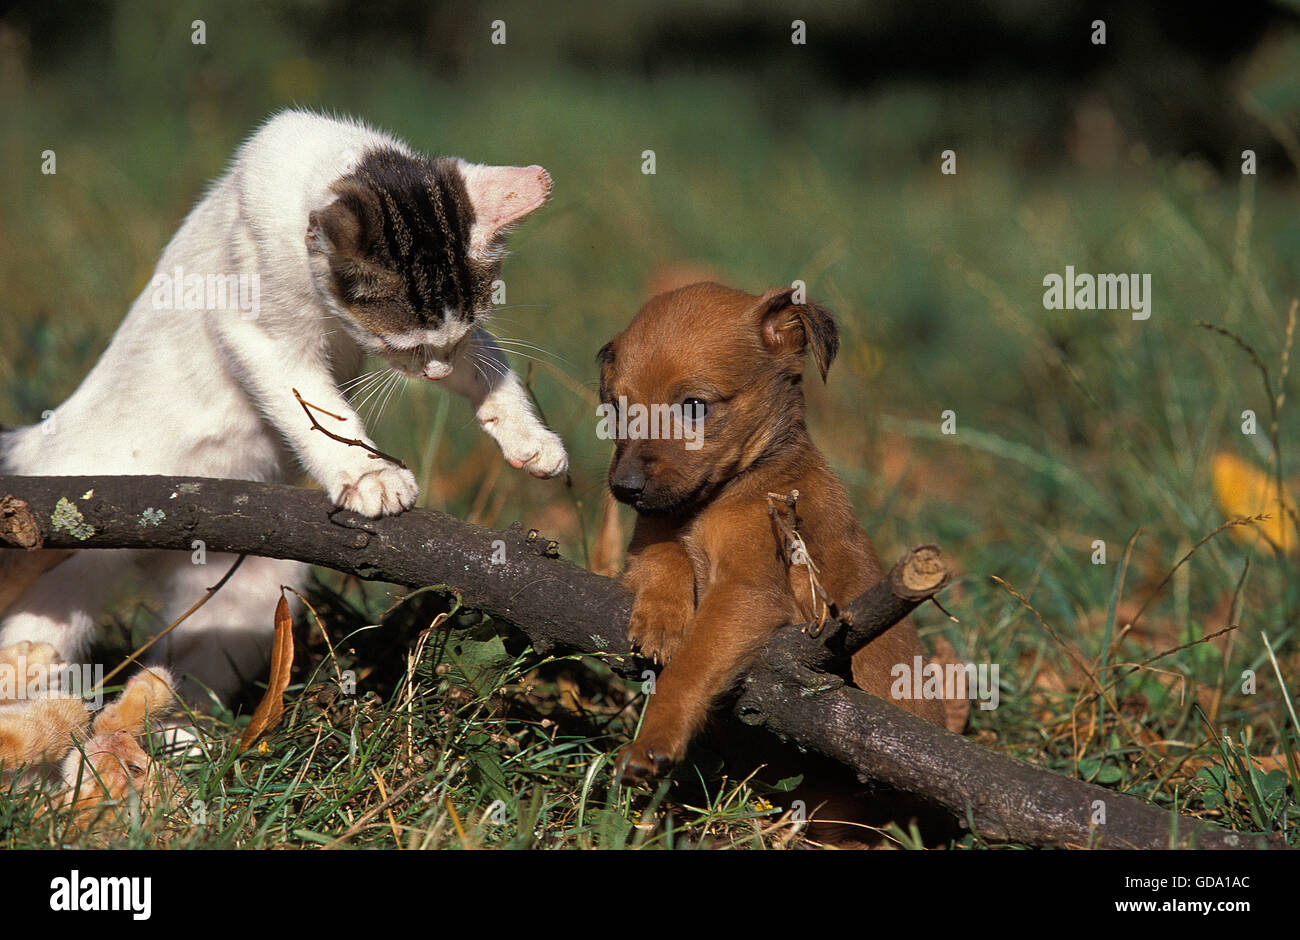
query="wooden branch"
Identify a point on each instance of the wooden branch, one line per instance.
(563, 607)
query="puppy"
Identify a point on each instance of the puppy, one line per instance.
(709, 565)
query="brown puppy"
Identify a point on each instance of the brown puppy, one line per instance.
(712, 574)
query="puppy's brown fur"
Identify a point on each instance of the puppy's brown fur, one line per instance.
(709, 570)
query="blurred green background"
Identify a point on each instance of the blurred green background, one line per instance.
(776, 162)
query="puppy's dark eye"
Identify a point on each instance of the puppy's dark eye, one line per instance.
(694, 409)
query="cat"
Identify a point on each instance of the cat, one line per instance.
(325, 240)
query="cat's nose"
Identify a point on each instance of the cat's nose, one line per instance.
(435, 370)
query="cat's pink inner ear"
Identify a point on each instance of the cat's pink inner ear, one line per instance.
(502, 195)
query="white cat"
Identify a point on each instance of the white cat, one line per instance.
(324, 241)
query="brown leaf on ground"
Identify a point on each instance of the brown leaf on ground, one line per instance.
(1274, 762)
(271, 708)
(1048, 685)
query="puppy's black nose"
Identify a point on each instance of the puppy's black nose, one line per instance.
(628, 482)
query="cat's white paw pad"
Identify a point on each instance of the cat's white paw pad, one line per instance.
(539, 451)
(383, 492)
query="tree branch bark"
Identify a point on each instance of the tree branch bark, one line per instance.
(562, 607)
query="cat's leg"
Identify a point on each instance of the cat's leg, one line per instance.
(352, 477)
(226, 643)
(482, 375)
(61, 606)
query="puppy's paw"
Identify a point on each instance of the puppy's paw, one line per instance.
(385, 491)
(646, 758)
(527, 444)
(658, 626)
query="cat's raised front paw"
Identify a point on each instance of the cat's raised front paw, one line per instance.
(382, 492)
(534, 448)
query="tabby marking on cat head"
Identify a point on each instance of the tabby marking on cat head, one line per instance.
(409, 249)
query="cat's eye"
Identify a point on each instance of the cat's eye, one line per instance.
(694, 409)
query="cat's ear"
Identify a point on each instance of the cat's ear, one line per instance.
(502, 196)
(336, 228)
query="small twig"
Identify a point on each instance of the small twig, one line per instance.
(943, 610)
(1078, 662)
(1249, 350)
(1240, 520)
(375, 811)
(350, 441)
(172, 626)
(1134, 667)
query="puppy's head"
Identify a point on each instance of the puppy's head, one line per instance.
(704, 384)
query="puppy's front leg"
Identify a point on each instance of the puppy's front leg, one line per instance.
(660, 576)
(481, 374)
(730, 626)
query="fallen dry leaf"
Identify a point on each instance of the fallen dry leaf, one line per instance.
(1274, 762)
(1243, 490)
(271, 708)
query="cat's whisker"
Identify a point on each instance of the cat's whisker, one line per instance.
(523, 355)
(478, 367)
(524, 344)
(378, 387)
(496, 310)
(510, 347)
(401, 380)
(371, 399)
(358, 380)
(491, 363)
(369, 385)
(355, 394)
(382, 401)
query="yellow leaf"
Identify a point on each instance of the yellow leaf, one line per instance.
(1243, 490)
(271, 707)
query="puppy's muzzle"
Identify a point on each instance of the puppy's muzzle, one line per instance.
(628, 481)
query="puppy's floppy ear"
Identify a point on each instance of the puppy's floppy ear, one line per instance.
(786, 326)
(605, 358)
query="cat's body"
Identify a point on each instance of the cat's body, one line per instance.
(332, 240)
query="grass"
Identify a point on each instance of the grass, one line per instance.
(1072, 427)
